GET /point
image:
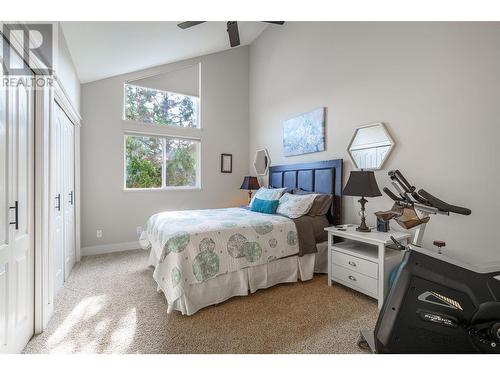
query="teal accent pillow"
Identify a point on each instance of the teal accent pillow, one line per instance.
(264, 206)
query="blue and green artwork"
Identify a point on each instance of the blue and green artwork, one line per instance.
(305, 133)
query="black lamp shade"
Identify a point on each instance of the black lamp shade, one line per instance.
(362, 184)
(250, 183)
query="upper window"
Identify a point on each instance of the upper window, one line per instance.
(160, 107)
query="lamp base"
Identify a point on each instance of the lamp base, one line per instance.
(363, 227)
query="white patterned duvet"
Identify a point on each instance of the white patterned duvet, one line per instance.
(197, 245)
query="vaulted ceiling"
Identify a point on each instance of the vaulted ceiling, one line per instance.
(104, 49)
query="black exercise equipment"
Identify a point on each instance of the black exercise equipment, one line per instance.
(437, 304)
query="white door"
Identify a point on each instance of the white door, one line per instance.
(16, 231)
(21, 138)
(56, 163)
(68, 196)
(63, 212)
(5, 249)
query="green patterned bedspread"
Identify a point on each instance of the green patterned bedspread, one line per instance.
(196, 245)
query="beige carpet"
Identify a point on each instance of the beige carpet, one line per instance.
(110, 305)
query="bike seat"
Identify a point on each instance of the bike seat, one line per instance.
(439, 243)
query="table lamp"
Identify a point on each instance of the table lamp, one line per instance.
(250, 183)
(362, 184)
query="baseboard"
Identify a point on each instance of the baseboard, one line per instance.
(110, 248)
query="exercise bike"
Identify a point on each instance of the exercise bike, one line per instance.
(436, 304)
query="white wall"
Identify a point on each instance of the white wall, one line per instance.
(435, 85)
(224, 121)
(183, 81)
(66, 72)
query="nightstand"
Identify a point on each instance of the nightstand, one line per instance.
(362, 261)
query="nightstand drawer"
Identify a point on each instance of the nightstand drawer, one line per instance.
(356, 280)
(355, 264)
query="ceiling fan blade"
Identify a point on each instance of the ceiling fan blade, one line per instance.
(234, 34)
(275, 22)
(188, 24)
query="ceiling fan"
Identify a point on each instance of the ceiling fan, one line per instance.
(232, 29)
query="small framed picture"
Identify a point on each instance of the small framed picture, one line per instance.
(226, 163)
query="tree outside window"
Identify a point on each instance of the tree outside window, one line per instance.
(160, 107)
(159, 162)
(144, 162)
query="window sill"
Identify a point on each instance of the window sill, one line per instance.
(155, 125)
(172, 188)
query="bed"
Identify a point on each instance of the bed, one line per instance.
(204, 257)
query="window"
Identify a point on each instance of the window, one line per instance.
(169, 158)
(154, 106)
(154, 162)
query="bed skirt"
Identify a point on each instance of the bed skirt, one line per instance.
(241, 282)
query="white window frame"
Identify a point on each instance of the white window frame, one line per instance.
(164, 137)
(124, 114)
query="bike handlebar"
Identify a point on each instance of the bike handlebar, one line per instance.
(422, 197)
(408, 187)
(443, 206)
(391, 195)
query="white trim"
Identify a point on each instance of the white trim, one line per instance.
(64, 101)
(161, 135)
(168, 188)
(110, 248)
(182, 66)
(156, 129)
(77, 197)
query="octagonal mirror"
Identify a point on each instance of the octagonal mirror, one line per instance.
(370, 146)
(261, 162)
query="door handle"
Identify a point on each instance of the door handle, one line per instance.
(71, 197)
(16, 214)
(58, 199)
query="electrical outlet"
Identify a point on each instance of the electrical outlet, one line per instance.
(139, 230)
(99, 233)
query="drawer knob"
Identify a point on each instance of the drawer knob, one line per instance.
(351, 263)
(352, 278)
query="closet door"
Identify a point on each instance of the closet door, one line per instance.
(5, 249)
(63, 212)
(57, 240)
(21, 195)
(16, 232)
(69, 194)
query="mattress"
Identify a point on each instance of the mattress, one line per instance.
(196, 250)
(194, 246)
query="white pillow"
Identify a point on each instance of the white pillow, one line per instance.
(294, 206)
(268, 194)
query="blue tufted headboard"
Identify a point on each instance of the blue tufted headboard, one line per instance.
(319, 177)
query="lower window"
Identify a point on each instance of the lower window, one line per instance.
(155, 162)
